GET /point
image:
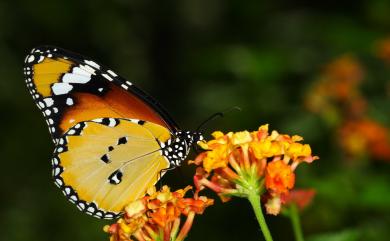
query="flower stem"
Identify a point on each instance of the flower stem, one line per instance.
(186, 227)
(254, 199)
(296, 223)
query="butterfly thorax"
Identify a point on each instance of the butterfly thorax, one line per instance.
(176, 149)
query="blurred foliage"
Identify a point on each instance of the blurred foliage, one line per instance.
(197, 58)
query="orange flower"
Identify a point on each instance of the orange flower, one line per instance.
(238, 164)
(279, 177)
(337, 89)
(157, 216)
(346, 71)
(359, 137)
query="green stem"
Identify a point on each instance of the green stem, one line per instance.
(254, 199)
(296, 223)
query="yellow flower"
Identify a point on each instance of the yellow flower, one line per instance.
(296, 150)
(266, 149)
(238, 163)
(216, 158)
(217, 134)
(241, 137)
(135, 208)
(164, 195)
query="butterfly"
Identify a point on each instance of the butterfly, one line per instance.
(112, 140)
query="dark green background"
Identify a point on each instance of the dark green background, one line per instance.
(198, 57)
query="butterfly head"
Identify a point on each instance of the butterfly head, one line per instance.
(192, 137)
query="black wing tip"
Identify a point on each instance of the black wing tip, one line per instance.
(47, 48)
(43, 48)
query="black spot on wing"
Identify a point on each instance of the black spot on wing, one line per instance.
(105, 158)
(109, 122)
(122, 140)
(116, 177)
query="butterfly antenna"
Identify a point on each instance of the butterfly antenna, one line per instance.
(217, 115)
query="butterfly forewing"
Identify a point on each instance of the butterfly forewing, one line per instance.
(103, 164)
(69, 88)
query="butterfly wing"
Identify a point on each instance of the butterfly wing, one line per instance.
(69, 88)
(103, 164)
(99, 163)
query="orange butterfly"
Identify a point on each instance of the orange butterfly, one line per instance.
(112, 140)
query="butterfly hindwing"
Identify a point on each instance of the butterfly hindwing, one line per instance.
(69, 88)
(105, 163)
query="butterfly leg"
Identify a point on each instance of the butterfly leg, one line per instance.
(161, 173)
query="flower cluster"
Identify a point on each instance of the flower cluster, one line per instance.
(338, 87)
(365, 136)
(337, 97)
(157, 216)
(251, 163)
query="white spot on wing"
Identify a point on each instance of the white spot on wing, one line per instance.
(49, 101)
(80, 71)
(69, 101)
(67, 190)
(115, 179)
(30, 58)
(41, 58)
(55, 161)
(71, 132)
(112, 122)
(90, 62)
(107, 77)
(87, 69)
(90, 209)
(81, 206)
(57, 171)
(74, 78)
(112, 73)
(41, 104)
(61, 88)
(58, 182)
